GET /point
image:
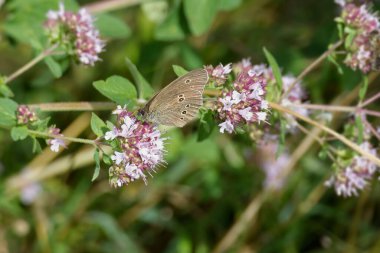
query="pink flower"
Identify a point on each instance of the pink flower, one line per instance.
(243, 104)
(76, 33)
(356, 176)
(219, 74)
(25, 115)
(364, 26)
(55, 143)
(139, 149)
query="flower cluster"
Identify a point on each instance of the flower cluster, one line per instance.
(218, 74)
(362, 36)
(139, 149)
(294, 94)
(350, 180)
(245, 103)
(55, 143)
(25, 115)
(76, 33)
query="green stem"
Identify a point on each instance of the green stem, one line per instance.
(61, 137)
(30, 64)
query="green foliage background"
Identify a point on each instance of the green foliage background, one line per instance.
(192, 203)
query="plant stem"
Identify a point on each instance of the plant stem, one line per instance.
(111, 5)
(74, 106)
(371, 99)
(312, 66)
(61, 137)
(30, 64)
(337, 108)
(340, 137)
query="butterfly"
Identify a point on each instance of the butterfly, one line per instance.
(179, 102)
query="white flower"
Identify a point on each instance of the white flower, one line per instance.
(340, 2)
(110, 135)
(226, 126)
(127, 128)
(246, 62)
(220, 70)
(264, 105)
(227, 103)
(119, 109)
(238, 97)
(55, 144)
(133, 171)
(261, 116)
(246, 113)
(118, 157)
(257, 91)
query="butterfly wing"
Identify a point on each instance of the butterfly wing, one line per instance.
(179, 102)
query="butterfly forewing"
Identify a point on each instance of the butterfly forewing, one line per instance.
(178, 102)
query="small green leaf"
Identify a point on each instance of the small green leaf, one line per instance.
(97, 165)
(97, 125)
(112, 27)
(332, 59)
(8, 110)
(179, 71)
(143, 87)
(54, 67)
(36, 146)
(351, 34)
(206, 124)
(4, 89)
(275, 68)
(200, 14)
(363, 89)
(19, 133)
(118, 89)
(107, 159)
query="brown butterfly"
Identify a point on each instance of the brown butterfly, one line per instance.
(179, 102)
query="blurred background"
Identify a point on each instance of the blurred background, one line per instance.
(213, 195)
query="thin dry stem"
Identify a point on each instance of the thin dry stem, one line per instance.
(111, 5)
(340, 137)
(314, 64)
(30, 64)
(74, 106)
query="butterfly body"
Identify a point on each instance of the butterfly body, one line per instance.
(179, 102)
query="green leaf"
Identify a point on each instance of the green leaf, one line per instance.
(228, 5)
(97, 125)
(143, 87)
(8, 110)
(54, 67)
(179, 71)
(107, 159)
(172, 28)
(118, 89)
(332, 59)
(36, 146)
(4, 89)
(112, 27)
(275, 68)
(19, 133)
(351, 34)
(97, 165)
(206, 124)
(363, 89)
(200, 14)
